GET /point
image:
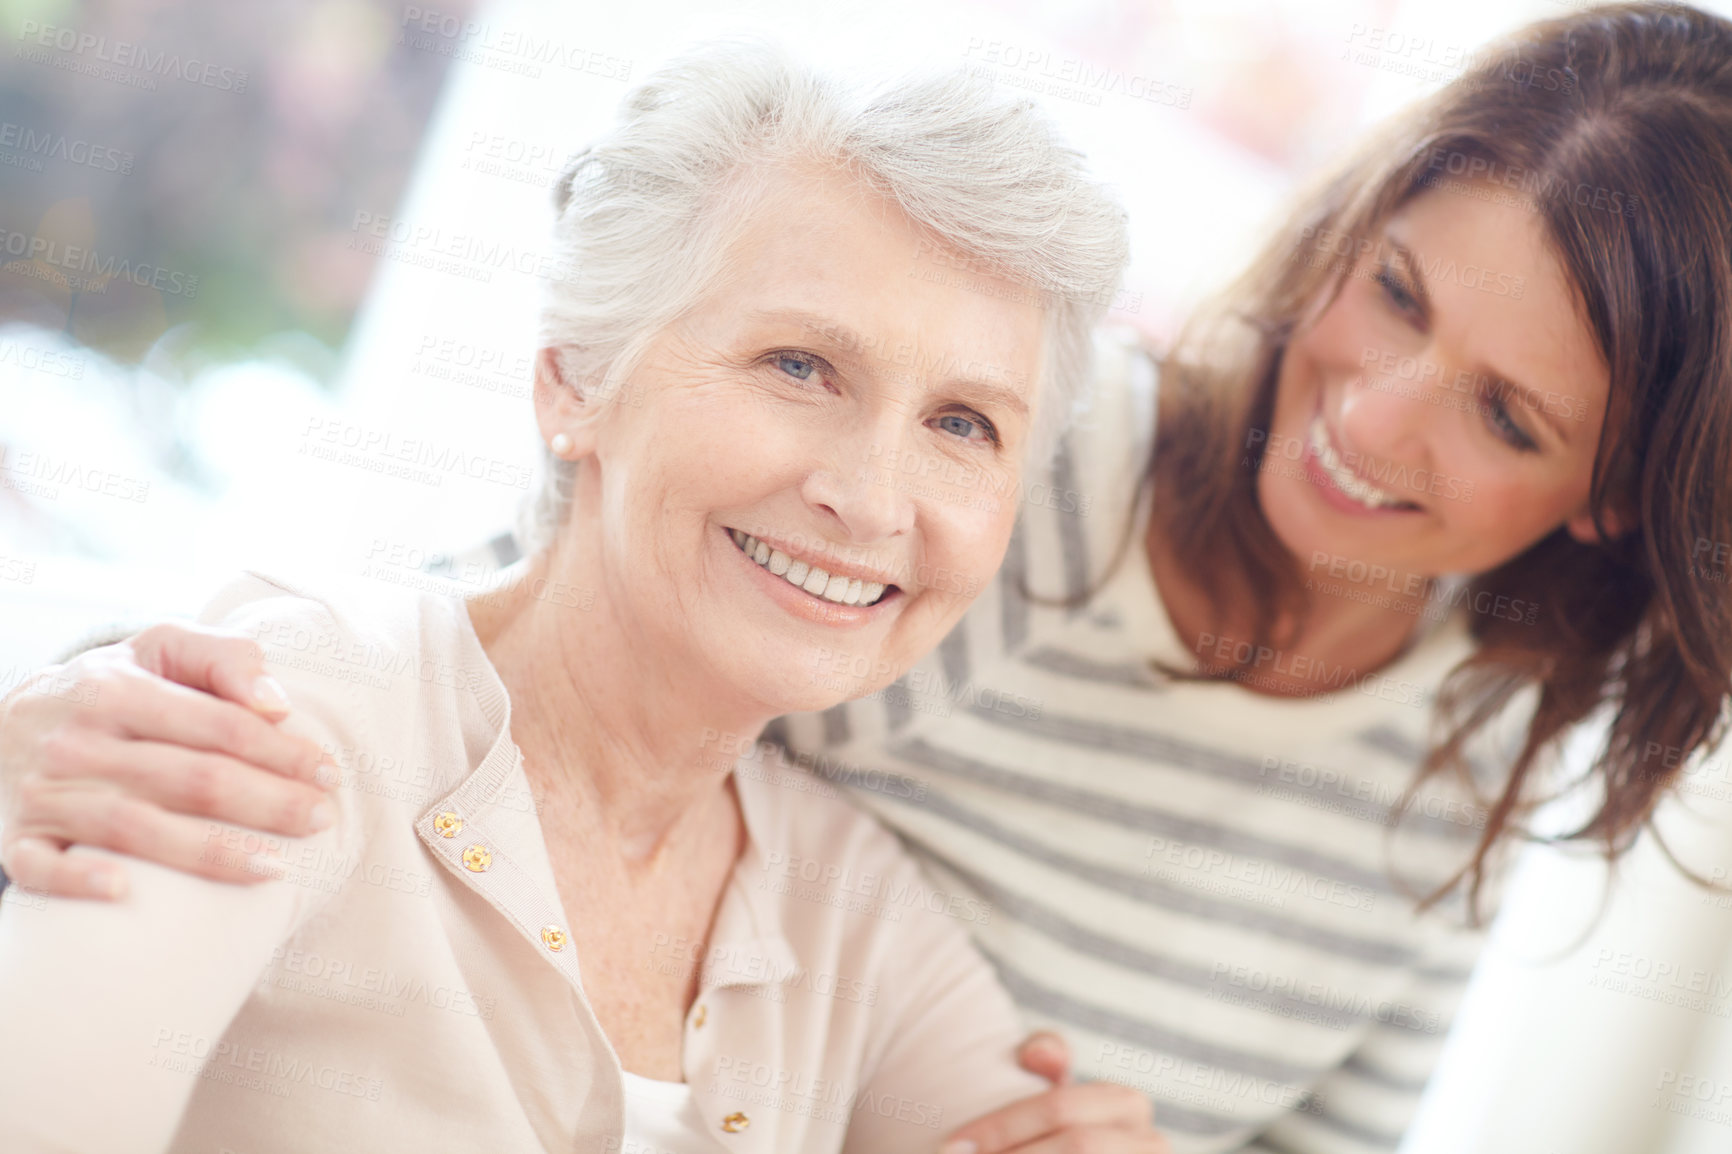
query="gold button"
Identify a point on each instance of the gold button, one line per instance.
(447, 824)
(477, 858)
(698, 1018)
(553, 938)
(735, 1122)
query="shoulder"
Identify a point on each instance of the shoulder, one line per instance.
(350, 632)
(353, 663)
(350, 608)
(1078, 507)
(372, 674)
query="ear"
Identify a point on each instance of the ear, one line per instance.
(561, 403)
(1582, 528)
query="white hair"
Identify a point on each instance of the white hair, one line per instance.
(645, 213)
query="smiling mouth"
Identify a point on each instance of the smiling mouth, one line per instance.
(834, 588)
(1354, 487)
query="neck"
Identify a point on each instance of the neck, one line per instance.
(631, 739)
(1341, 630)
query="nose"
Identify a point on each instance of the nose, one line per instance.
(857, 485)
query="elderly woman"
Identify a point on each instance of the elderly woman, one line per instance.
(659, 953)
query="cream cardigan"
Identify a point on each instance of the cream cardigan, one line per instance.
(413, 984)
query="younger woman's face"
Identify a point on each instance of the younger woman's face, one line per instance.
(1441, 413)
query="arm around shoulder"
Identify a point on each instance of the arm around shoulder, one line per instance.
(111, 1010)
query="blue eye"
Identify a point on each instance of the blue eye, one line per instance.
(964, 426)
(798, 367)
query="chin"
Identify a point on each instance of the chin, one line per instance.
(814, 693)
(799, 680)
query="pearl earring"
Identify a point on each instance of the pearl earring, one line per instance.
(561, 445)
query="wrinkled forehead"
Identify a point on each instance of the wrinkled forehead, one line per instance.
(835, 259)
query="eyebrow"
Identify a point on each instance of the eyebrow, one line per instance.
(849, 341)
(1532, 399)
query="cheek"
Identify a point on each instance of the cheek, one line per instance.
(1354, 334)
(965, 541)
(1511, 508)
(699, 450)
(660, 483)
(1311, 361)
(1339, 333)
(1507, 503)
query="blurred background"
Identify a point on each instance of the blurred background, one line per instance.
(268, 282)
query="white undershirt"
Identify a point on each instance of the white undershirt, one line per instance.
(662, 1118)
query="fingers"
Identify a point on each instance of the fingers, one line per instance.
(186, 781)
(1046, 1054)
(125, 741)
(125, 825)
(38, 863)
(1090, 1105)
(142, 705)
(221, 663)
(109, 689)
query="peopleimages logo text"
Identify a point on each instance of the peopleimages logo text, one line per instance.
(125, 54)
(99, 267)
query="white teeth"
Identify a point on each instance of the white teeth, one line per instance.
(832, 587)
(1362, 491)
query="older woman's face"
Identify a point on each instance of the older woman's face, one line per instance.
(807, 479)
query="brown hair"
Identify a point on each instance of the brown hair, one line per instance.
(1616, 124)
